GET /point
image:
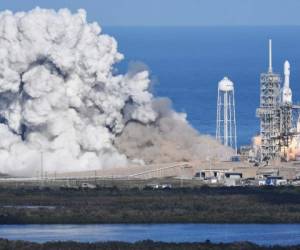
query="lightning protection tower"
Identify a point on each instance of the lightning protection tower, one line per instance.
(226, 123)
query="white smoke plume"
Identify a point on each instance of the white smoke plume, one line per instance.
(60, 101)
(58, 94)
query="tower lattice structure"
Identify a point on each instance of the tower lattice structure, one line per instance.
(269, 112)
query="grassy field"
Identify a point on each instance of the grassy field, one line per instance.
(143, 245)
(189, 205)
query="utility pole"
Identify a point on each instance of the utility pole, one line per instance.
(42, 165)
(42, 168)
(181, 177)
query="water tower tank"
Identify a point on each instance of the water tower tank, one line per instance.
(225, 85)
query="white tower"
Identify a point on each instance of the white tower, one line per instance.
(226, 123)
(286, 90)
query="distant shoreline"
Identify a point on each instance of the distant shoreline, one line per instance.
(145, 245)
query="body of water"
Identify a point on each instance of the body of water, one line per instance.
(281, 234)
(187, 62)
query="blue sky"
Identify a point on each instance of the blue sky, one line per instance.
(174, 12)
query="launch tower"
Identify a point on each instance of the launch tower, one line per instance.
(269, 112)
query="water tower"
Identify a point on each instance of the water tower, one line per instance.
(226, 123)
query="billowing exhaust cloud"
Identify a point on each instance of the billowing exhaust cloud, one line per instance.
(169, 139)
(60, 98)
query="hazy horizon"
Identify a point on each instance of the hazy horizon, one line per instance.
(174, 12)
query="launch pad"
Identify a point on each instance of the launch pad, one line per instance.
(274, 152)
(278, 139)
(177, 174)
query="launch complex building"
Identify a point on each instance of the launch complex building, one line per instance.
(275, 112)
(279, 136)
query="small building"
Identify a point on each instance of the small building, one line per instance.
(210, 173)
(275, 181)
(233, 175)
(232, 179)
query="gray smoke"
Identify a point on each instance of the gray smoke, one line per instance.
(169, 139)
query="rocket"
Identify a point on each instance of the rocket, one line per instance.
(286, 90)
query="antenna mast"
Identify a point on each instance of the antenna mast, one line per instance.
(270, 56)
